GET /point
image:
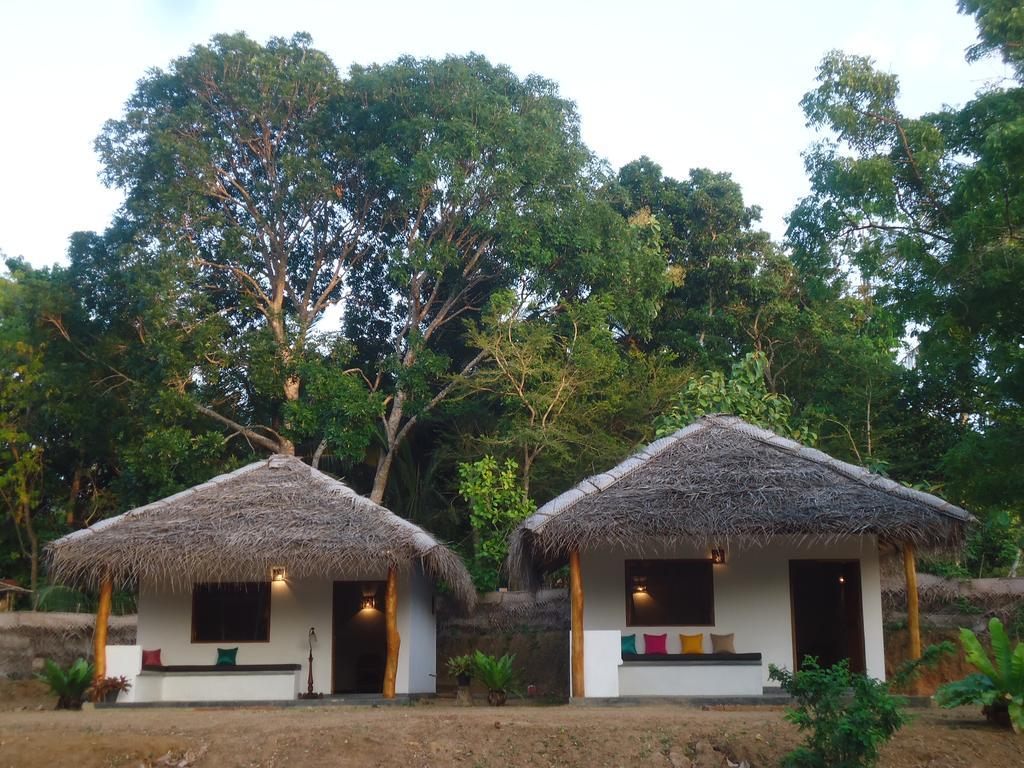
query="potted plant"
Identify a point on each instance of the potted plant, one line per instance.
(69, 684)
(497, 675)
(999, 684)
(107, 688)
(461, 668)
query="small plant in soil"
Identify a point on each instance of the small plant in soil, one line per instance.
(107, 688)
(846, 717)
(69, 684)
(497, 675)
(999, 683)
(461, 668)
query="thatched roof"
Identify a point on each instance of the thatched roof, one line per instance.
(721, 479)
(275, 512)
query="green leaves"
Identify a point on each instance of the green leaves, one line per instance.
(1000, 684)
(841, 731)
(743, 394)
(70, 685)
(497, 504)
(495, 674)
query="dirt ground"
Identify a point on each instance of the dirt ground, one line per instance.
(438, 733)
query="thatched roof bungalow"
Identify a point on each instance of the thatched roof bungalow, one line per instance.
(250, 561)
(728, 529)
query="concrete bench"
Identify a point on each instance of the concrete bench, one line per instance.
(690, 674)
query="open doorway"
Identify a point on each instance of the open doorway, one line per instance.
(828, 618)
(360, 637)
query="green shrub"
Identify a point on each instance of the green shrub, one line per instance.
(460, 666)
(494, 673)
(999, 684)
(69, 684)
(846, 717)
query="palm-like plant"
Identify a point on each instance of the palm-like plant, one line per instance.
(497, 675)
(999, 684)
(69, 684)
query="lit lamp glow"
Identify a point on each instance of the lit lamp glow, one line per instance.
(369, 602)
(278, 573)
(639, 585)
(718, 556)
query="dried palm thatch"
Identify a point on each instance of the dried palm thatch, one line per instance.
(723, 480)
(276, 512)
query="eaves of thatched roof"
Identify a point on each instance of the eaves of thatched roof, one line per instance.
(275, 512)
(721, 479)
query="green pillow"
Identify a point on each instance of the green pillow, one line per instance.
(227, 657)
(629, 644)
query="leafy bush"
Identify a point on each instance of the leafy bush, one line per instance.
(460, 666)
(495, 674)
(945, 567)
(847, 717)
(497, 504)
(999, 684)
(70, 685)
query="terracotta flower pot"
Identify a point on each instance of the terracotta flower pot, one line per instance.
(497, 698)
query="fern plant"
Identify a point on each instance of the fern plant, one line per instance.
(69, 684)
(999, 683)
(497, 675)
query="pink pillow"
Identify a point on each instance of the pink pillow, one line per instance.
(655, 643)
(151, 658)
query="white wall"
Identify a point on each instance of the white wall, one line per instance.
(165, 622)
(752, 598)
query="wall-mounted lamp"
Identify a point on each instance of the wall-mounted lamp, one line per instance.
(718, 556)
(639, 585)
(278, 573)
(842, 579)
(369, 602)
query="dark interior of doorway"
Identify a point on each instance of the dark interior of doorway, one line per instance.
(827, 612)
(360, 637)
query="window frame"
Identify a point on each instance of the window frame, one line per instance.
(262, 586)
(627, 579)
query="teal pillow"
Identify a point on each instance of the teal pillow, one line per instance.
(227, 657)
(629, 644)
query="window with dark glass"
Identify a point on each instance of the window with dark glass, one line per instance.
(667, 593)
(231, 613)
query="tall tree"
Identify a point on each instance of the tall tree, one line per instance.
(928, 212)
(233, 160)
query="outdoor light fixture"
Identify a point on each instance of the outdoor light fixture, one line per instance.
(842, 579)
(718, 556)
(278, 573)
(639, 585)
(369, 602)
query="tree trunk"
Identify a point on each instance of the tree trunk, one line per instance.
(387, 456)
(576, 623)
(99, 637)
(393, 639)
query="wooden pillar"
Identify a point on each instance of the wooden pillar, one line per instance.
(913, 615)
(99, 637)
(576, 596)
(394, 641)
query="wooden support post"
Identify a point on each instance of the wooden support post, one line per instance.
(99, 637)
(394, 641)
(913, 616)
(576, 595)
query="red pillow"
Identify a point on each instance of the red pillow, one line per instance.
(655, 643)
(151, 658)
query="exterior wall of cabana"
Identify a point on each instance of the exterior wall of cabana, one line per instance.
(165, 622)
(752, 601)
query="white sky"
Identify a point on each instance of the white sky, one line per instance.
(691, 84)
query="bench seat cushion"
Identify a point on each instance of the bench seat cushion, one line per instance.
(723, 658)
(222, 668)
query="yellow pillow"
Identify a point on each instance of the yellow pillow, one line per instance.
(692, 643)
